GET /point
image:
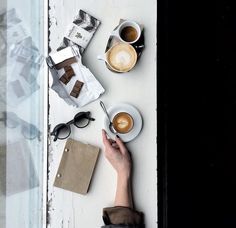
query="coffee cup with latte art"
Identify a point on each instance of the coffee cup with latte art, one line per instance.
(123, 122)
(121, 57)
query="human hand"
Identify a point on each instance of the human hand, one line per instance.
(118, 155)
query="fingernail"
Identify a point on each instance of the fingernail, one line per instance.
(118, 136)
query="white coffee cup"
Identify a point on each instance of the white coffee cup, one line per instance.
(121, 57)
(127, 31)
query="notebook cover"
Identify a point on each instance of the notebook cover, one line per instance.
(76, 167)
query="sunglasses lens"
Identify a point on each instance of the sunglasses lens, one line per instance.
(81, 121)
(30, 131)
(62, 131)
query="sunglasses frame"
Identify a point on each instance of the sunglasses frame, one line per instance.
(80, 115)
(22, 124)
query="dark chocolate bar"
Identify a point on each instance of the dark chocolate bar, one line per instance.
(70, 73)
(64, 79)
(65, 63)
(74, 94)
(76, 89)
(68, 68)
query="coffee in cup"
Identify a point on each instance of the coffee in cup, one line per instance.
(123, 122)
(121, 57)
(127, 31)
(129, 34)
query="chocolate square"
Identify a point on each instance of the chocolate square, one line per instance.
(76, 89)
(64, 79)
(74, 94)
(67, 68)
(70, 73)
(78, 84)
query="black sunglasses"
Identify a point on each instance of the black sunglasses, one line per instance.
(63, 130)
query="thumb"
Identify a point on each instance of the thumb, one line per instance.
(105, 140)
(121, 145)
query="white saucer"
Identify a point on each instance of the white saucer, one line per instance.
(124, 107)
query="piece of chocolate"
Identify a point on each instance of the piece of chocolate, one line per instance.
(70, 73)
(67, 68)
(74, 94)
(65, 63)
(64, 79)
(76, 89)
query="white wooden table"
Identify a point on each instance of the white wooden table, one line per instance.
(138, 87)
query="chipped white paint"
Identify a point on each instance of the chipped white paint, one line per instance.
(138, 87)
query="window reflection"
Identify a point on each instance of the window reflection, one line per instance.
(21, 114)
(21, 175)
(29, 131)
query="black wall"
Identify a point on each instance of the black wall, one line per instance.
(196, 113)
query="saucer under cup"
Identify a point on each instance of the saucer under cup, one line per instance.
(124, 107)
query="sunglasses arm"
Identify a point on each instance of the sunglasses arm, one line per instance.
(55, 139)
(55, 136)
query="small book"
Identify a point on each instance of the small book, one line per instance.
(76, 167)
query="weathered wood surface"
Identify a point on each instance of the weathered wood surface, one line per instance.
(138, 87)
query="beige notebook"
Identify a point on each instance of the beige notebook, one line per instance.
(76, 167)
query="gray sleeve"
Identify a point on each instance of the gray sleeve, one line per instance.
(122, 217)
(123, 226)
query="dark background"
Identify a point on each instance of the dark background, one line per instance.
(196, 88)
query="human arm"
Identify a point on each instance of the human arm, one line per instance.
(119, 157)
(123, 213)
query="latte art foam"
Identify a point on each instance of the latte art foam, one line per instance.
(123, 122)
(122, 57)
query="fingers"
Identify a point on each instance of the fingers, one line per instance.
(121, 145)
(115, 145)
(111, 141)
(104, 136)
(105, 139)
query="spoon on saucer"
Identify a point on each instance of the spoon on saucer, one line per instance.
(110, 123)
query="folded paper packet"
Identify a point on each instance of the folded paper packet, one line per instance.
(76, 167)
(64, 84)
(80, 31)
